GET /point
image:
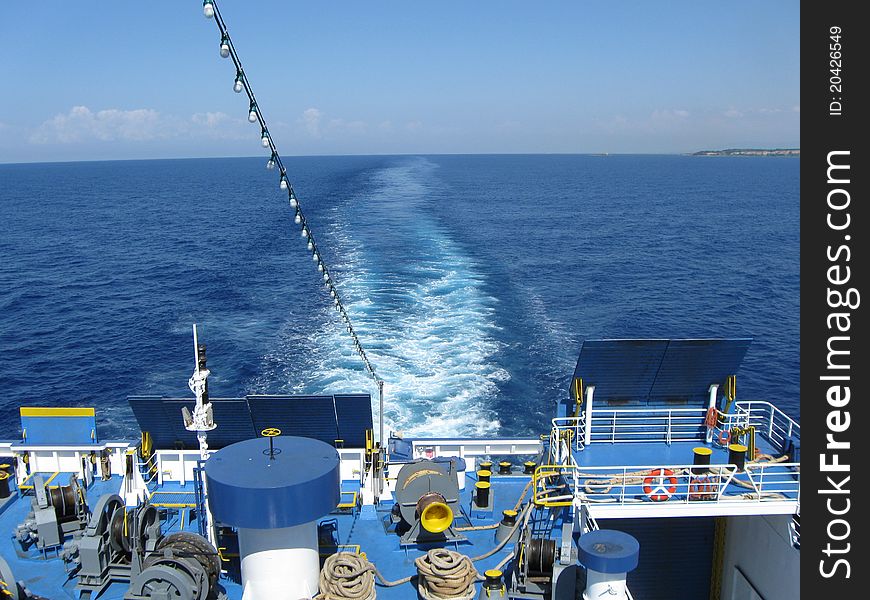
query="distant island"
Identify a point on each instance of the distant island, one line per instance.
(750, 152)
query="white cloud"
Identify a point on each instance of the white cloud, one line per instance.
(797, 108)
(311, 119)
(669, 114)
(81, 124)
(733, 113)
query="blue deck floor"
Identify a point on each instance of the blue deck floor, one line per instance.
(45, 575)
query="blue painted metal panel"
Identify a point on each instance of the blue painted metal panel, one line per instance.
(161, 417)
(151, 417)
(620, 369)
(676, 556)
(658, 371)
(232, 416)
(305, 416)
(354, 415)
(326, 418)
(59, 429)
(690, 366)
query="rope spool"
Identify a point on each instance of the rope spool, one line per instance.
(445, 574)
(63, 499)
(347, 576)
(540, 556)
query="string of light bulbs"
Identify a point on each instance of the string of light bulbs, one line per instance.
(227, 50)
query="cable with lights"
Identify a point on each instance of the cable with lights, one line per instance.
(227, 50)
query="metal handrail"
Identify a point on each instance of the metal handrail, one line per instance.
(763, 482)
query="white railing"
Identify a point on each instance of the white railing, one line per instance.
(769, 421)
(657, 484)
(150, 471)
(647, 425)
(567, 435)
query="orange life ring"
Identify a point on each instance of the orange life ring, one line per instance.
(655, 485)
(701, 488)
(724, 437)
(712, 417)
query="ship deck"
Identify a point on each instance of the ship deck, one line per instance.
(357, 529)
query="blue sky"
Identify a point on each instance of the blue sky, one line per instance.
(88, 80)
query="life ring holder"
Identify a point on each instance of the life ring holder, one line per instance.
(702, 488)
(712, 417)
(655, 485)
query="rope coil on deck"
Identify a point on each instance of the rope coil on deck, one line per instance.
(347, 576)
(443, 574)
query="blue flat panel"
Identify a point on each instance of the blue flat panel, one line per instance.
(161, 418)
(232, 416)
(689, 367)
(658, 371)
(354, 414)
(676, 556)
(620, 369)
(59, 429)
(306, 416)
(151, 417)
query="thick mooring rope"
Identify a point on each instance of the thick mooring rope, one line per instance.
(347, 576)
(443, 574)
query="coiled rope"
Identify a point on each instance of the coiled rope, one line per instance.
(347, 576)
(443, 574)
(340, 577)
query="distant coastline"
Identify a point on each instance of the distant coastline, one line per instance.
(750, 152)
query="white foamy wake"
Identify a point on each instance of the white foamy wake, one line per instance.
(426, 324)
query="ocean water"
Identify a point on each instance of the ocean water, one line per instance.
(471, 280)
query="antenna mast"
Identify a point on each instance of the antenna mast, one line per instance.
(202, 419)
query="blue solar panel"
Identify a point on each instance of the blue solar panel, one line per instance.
(658, 371)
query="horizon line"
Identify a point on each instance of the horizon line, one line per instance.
(386, 154)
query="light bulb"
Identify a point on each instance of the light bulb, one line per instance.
(304, 232)
(271, 164)
(310, 247)
(326, 278)
(293, 203)
(314, 257)
(208, 9)
(332, 293)
(297, 220)
(238, 86)
(265, 140)
(225, 47)
(320, 267)
(283, 184)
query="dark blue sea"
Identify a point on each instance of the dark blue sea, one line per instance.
(471, 280)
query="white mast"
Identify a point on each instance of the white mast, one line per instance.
(202, 420)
